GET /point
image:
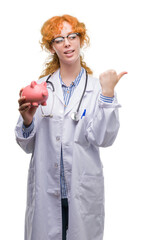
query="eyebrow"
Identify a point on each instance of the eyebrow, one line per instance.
(62, 36)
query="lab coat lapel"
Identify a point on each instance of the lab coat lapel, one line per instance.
(75, 98)
(58, 88)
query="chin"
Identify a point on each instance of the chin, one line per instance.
(72, 60)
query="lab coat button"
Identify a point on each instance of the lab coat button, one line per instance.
(56, 165)
(58, 138)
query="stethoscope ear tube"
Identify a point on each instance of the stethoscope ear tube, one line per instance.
(53, 89)
(47, 80)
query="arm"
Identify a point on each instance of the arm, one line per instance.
(25, 137)
(25, 129)
(102, 129)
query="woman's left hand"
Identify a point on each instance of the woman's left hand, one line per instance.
(108, 81)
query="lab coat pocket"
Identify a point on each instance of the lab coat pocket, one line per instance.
(30, 187)
(80, 133)
(91, 195)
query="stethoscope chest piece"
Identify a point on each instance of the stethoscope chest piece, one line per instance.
(75, 116)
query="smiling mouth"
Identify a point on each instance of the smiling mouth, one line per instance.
(69, 51)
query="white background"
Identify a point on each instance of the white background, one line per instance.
(114, 28)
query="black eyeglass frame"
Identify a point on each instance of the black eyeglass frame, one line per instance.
(78, 34)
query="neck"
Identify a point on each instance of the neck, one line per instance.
(69, 72)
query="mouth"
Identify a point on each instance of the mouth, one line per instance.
(69, 51)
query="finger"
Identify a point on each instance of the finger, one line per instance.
(24, 106)
(33, 109)
(24, 110)
(120, 75)
(20, 93)
(21, 100)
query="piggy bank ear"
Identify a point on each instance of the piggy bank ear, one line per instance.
(33, 83)
(44, 84)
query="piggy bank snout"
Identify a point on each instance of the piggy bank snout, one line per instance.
(45, 93)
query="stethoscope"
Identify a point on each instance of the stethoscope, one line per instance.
(75, 115)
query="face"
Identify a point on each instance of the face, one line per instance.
(68, 50)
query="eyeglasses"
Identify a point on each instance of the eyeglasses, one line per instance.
(70, 37)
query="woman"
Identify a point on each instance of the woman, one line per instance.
(65, 182)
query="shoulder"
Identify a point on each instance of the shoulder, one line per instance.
(43, 79)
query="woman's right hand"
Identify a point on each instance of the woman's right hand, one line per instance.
(26, 110)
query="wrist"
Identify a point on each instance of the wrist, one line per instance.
(27, 124)
(27, 129)
(108, 93)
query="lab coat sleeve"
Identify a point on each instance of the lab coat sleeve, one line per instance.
(103, 126)
(27, 144)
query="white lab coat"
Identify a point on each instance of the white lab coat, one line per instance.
(82, 165)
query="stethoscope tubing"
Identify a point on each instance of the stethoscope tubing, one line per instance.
(83, 92)
(47, 81)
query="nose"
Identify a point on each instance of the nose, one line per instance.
(66, 42)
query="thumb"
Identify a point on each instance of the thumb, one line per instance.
(120, 75)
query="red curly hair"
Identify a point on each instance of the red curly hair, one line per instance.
(53, 27)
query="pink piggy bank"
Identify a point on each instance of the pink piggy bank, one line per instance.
(36, 93)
